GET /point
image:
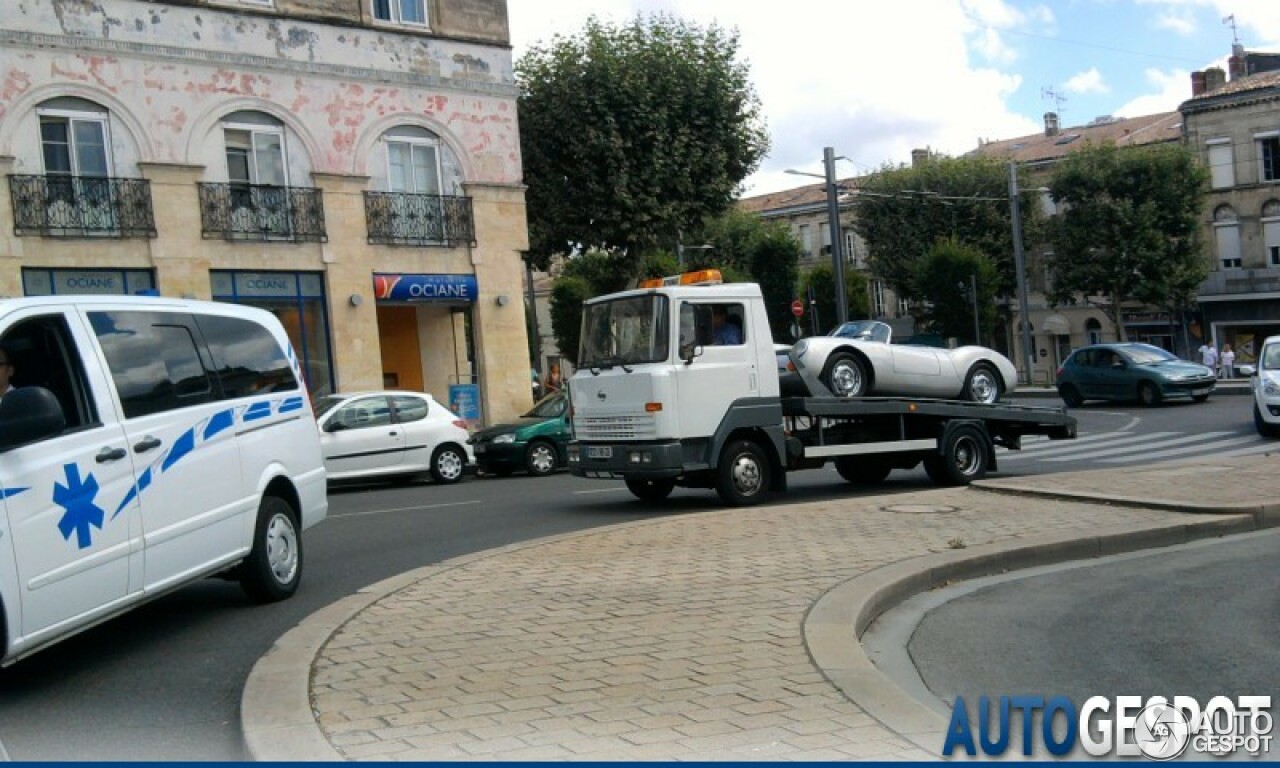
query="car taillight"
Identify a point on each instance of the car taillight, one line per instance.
(459, 423)
(1059, 370)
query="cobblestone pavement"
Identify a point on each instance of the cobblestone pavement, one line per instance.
(677, 638)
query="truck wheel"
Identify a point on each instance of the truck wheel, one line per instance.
(963, 458)
(273, 569)
(742, 477)
(845, 376)
(651, 490)
(540, 459)
(448, 464)
(862, 471)
(982, 385)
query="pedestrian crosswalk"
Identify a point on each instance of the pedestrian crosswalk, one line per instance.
(1124, 447)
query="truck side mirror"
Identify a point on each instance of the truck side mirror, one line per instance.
(28, 414)
(690, 351)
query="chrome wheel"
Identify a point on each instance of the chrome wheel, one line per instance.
(967, 458)
(282, 548)
(747, 476)
(845, 377)
(983, 387)
(448, 466)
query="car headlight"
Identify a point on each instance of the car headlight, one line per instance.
(1271, 387)
(508, 437)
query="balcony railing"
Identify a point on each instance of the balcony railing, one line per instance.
(401, 218)
(1241, 281)
(262, 212)
(81, 206)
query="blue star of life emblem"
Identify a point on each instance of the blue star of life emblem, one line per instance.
(80, 514)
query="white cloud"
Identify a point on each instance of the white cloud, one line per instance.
(1178, 23)
(1172, 87)
(1258, 21)
(1089, 81)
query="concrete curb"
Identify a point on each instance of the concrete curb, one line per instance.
(1010, 488)
(853, 605)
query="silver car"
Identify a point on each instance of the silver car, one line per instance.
(858, 360)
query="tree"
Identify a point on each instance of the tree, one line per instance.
(762, 252)
(1129, 227)
(567, 294)
(901, 213)
(823, 281)
(943, 281)
(631, 133)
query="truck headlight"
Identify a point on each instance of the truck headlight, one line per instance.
(639, 457)
(508, 437)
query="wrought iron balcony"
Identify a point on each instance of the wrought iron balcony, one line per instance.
(1223, 282)
(401, 218)
(262, 212)
(81, 206)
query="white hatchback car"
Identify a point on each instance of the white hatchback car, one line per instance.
(1265, 381)
(391, 434)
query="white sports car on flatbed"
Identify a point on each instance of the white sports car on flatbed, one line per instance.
(858, 360)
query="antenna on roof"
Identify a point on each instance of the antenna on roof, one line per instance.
(1057, 98)
(1230, 21)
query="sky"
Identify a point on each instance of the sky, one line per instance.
(876, 78)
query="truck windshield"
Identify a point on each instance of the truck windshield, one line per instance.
(624, 331)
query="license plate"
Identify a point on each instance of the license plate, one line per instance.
(1204, 391)
(599, 452)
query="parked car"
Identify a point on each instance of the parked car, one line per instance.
(1264, 378)
(538, 442)
(1131, 371)
(858, 359)
(392, 435)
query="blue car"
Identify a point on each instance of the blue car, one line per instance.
(1132, 371)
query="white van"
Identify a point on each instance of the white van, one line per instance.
(147, 443)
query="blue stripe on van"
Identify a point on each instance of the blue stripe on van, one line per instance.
(144, 480)
(220, 421)
(257, 411)
(291, 404)
(185, 444)
(7, 492)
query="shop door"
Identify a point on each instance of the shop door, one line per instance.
(401, 348)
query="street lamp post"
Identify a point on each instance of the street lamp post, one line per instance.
(1019, 266)
(837, 241)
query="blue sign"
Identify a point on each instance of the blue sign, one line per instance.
(452, 288)
(464, 401)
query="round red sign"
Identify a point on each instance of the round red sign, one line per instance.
(797, 308)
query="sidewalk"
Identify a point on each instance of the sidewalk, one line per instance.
(714, 635)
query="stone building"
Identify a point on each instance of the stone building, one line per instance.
(351, 165)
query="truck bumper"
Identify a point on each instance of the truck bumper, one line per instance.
(621, 460)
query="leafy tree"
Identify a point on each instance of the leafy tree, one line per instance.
(823, 281)
(745, 248)
(630, 133)
(1129, 229)
(943, 281)
(567, 294)
(902, 212)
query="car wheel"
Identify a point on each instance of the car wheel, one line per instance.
(273, 569)
(963, 458)
(540, 458)
(651, 490)
(1071, 396)
(860, 470)
(845, 376)
(1149, 394)
(982, 385)
(1265, 429)
(447, 464)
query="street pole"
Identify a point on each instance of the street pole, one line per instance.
(837, 244)
(1015, 213)
(977, 329)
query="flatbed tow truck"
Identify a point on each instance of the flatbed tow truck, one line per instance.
(656, 404)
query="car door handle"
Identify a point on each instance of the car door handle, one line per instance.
(146, 444)
(393, 433)
(110, 454)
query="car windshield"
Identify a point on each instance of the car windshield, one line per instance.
(1142, 354)
(323, 405)
(872, 330)
(550, 407)
(624, 331)
(1270, 360)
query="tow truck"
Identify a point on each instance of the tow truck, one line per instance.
(657, 404)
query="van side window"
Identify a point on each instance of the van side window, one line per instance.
(44, 355)
(154, 361)
(247, 358)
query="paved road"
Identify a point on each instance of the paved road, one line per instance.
(164, 682)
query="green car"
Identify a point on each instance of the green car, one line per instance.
(537, 443)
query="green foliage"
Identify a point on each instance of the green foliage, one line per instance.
(1129, 226)
(747, 249)
(567, 294)
(942, 279)
(822, 278)
(630, 133)
(900, 224)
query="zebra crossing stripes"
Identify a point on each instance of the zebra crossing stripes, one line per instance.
(1040, 443)
(1164, 445)
(1252, 444)
(1121, 447)
(1073, 447)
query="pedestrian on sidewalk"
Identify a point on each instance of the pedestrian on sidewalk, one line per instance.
(1209, 356)
(1227, 362)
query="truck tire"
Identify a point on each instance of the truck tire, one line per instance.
(651, 490)
(742, 477)
(273, 569)
(963, 458)
(862, 471)
(846, 376)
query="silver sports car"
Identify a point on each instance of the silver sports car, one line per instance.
(857, 360)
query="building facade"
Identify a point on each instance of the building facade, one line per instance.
(352, 166)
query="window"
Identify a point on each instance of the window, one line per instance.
(44, 355)
(413, 12)
(1269, 157)
(806, 244)
(1093, 329)
(413, 161)
(850, 251)
(258, 175)
(409, 408)
(711, 325)
(154, 359)
(362, 414)
(247, 358)
(904, 307)
(825, 229)
(1226, 231)
(877, 298)
(1271, 231)
(1222, 170)
(255, 154)
(74, 145)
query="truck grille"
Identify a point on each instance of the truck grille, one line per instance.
(614, 427)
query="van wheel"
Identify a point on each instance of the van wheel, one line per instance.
(963, 458)
(862, 471)
(540, 458)
(651, 490)
(845, 376)
(273, 569)
(742, 477)
(448, 464)
(1264, 428)
(982, 385)
(1149, 394)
